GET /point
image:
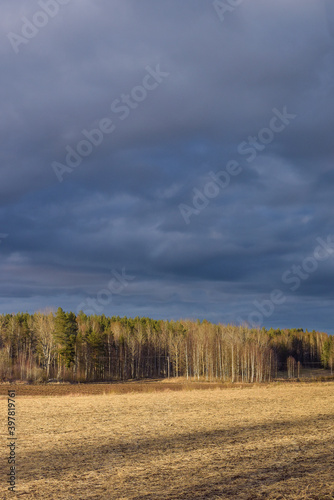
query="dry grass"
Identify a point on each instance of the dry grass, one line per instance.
(150, 385)
(268, 442)
(67, 389)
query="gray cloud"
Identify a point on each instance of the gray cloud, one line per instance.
(119, 207)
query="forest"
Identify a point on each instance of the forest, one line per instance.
(63, 346)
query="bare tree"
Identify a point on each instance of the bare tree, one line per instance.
(44, 327)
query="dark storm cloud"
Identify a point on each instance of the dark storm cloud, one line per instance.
(119, 208)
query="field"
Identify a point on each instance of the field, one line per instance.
(272, 441)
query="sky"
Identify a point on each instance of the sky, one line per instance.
(168, 159)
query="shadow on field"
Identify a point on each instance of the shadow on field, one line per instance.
(224, 463)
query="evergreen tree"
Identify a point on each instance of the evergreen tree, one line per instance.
(66, 330)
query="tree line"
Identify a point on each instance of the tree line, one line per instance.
(81, 348)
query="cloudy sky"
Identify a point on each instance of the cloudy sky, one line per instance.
(171, 159)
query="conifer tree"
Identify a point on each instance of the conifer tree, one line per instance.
(66, 330)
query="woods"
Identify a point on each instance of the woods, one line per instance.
(82, 348)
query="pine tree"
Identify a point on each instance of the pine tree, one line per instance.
(66, 330)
